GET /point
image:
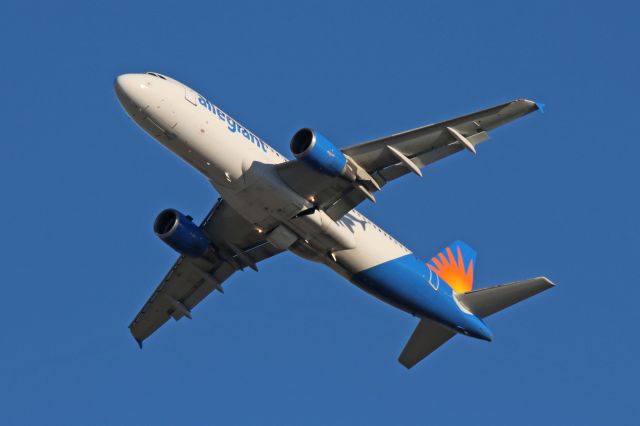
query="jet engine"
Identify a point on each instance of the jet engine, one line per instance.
(180, 233)
(319, 153)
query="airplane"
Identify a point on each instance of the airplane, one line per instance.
(269, 204)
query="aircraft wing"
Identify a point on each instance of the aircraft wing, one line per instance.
(237, 245)
(394, 156)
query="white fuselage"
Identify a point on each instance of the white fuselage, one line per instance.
(241, 167)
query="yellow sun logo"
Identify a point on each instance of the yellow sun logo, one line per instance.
(452, 270)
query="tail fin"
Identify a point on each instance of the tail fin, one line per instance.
(488, 301)
(454, 265)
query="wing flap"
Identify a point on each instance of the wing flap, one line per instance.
(184, 285)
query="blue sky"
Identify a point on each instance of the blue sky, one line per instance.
(553, 194)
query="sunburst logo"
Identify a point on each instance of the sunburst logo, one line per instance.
(452, 269)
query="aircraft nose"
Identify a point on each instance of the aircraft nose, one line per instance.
(125, 86)
(133, 91)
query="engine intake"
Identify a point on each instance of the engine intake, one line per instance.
(180, 233)
(318, 152)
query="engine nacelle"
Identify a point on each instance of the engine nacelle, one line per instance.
(180, 233)
(316, 151)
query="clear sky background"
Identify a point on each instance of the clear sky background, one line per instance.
(552, 194)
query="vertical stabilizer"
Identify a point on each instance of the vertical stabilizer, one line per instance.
(454, 265)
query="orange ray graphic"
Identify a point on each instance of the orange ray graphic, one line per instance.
(452, 270)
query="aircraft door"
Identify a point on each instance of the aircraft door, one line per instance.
(434, 280)
(190, 95)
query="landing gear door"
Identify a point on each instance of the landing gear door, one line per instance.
(190, 95)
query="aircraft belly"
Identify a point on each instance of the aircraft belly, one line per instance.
(373, 245)
(262, 198)
(404, 283)
(386, 269)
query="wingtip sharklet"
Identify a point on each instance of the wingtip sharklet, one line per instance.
(547, 281)
(538, 105)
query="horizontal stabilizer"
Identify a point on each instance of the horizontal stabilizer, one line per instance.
(488, 301)
(426, 338)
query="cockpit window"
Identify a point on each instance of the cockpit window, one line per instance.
(157, 75)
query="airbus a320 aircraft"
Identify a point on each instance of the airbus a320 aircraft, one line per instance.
(270, 204)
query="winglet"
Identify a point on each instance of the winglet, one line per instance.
(541, 106)
(139, 342)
